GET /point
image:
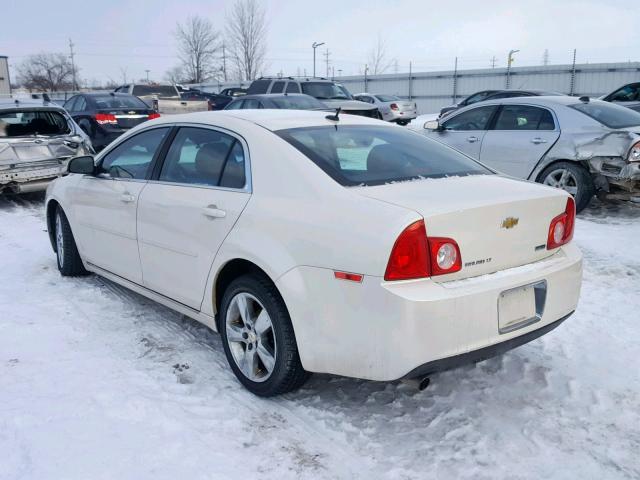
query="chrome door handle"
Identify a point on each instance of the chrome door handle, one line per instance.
(538, 140)
(127, 198)
(472, 139)
(212, 211)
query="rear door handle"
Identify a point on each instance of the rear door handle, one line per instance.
(538, 140)
(212, 211)
(127, 198)
(472, 139)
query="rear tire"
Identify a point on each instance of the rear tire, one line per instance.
(258, 337)
(573, 178)
(69, 261)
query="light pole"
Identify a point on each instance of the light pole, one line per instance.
(147, 75)
(314, 46)
(509, 62)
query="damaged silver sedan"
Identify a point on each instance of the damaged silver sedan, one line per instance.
(577, 144)
(37, 140)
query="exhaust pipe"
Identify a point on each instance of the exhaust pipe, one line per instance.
(37, 186)
(419, 382)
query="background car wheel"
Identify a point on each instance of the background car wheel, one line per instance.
(258, 337)
(572, 178)
(69, 262)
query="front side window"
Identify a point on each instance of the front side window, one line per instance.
(478, 97)
(524, 117)
(81, 105)
(608, 114)
(200, 156)
(292, 87)
(27, 123)
(474, 119)
(373, 155)
(387, 98)
(628, 93)
(133, 157)
(277, 87)
(70, 105)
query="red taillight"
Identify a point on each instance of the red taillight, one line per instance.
(561, 227)
(409, 257)
(106, 119)
(414, 255)
(393, 106)
(153, 115)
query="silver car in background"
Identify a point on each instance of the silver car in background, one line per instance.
(579, 145)
(37, 140)
(391, 107)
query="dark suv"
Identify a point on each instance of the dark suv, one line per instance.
(332, 94)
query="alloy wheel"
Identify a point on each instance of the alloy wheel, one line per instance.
(250, 337)
(564, 179)
(59, 240)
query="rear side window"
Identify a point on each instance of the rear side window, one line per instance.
(610, 115)
(234, 105)
(524, 117)
(387, 98)
(70, 105)
(24, 123)
(259, 86)
(201, 156)
(251, 103)
(300, 102)
(132, 158)
(293, 87)
(474, 119)
(372, 155)
(278, 87)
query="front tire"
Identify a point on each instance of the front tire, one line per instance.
(572, 178)
(69, 261)
(258, 337)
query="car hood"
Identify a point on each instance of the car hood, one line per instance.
(348, 104)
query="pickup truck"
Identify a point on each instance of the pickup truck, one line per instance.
(164, 99)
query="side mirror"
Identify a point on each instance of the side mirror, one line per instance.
(432, 125)
(83, 165)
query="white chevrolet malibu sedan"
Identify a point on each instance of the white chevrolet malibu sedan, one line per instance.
(321, 243)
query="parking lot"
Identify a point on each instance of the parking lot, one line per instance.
(97, 377)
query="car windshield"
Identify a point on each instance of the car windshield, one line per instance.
(24, 123)
(387, 98)
(325, 90)
(612, 116)
(374, 155)
(118, 101)
(159, 90)
(297, 102)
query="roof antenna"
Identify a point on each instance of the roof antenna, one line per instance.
(584, 99)
(334, 117)
(45, 98)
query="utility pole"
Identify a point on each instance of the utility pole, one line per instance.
(572, 84)
(509, 62)
(315, 45)
(410, 81)
(366, 69)
(545, 57)
(395, 66)
(73, 65)
(455, 80)
(333, 73)
(147, 75)
(493, 62)
(326, 59)
(339, 72)
(224, 62)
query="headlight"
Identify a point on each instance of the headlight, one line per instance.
(634, 153)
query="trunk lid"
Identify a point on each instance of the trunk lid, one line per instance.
(498, 222)
(128, 117)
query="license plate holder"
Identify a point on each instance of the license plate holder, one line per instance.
(521, 306)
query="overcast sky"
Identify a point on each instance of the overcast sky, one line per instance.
(114, 35)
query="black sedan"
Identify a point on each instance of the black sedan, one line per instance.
(216, 101)
(286, 101)
(485, 95)
(106, 116)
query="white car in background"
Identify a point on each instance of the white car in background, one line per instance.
(391, 107)
(316, 243)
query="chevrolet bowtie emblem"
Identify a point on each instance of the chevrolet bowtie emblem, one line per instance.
(509, 222)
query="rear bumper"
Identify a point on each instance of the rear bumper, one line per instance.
(387, 330)
(409, 115)
(25, 180)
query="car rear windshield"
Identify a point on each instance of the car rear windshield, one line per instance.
(117, 101)
(25, 123)
(159, 90)
(387, 98)
(325, 90)
(301, 102)
(375, 155)
(612, 116)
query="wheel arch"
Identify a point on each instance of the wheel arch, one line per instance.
(537, 176)
(52, 206)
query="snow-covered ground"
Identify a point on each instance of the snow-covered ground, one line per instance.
(99, 383)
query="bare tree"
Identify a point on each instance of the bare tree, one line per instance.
(47, 72)
(246, 37)
(198, 45)
(175, 75)
(377, 60)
